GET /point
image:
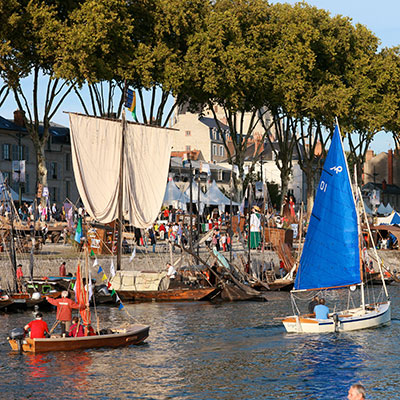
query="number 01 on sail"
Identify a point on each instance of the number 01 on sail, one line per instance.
(331, 255)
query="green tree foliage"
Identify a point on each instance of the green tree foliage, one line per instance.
(228, 67)
(31, 40)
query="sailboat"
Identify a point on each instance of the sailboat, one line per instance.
(331, 255)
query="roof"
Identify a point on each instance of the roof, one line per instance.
(210, 122)
(59, 133)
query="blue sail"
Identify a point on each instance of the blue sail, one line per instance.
(330, 256)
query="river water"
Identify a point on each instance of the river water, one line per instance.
(206, 351)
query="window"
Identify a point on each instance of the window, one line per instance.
(221, 150)
(18, 152)
(6, 152)
(67, 188)
(7, 176)
(54, 194)
(188, 133)
(26, 183)
(68, 162)
(188, 148)
(215, 150)
(53, 170)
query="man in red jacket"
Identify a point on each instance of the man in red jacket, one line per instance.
(38, 327)
(64, 310)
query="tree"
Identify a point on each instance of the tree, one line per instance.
(113, 43)
(228, 68)
(32, 43)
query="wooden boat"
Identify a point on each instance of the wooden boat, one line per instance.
(133, 335)
(5, 302)
(182, 294)
(331, 254)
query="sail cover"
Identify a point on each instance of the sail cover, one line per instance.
(330, 257)
(96, 155)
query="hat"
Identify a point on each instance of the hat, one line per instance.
(256, 208)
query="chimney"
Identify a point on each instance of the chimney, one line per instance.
(369, 155)
(390, 167)
(19, 118)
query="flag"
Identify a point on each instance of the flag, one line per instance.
(112, 269)
(130, 102)
(95, 262)
(133, 254)
(104, 278)
(78, 232)
(121, 306)
(99, 270)
(82, 298)
(90, 286)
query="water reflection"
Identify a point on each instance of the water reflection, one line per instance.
(202, 351)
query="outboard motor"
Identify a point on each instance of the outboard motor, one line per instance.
(336, 322)
(18, 334)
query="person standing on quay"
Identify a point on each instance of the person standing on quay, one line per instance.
(64, 310)
(62, 270)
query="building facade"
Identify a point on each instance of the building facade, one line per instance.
(16, 145)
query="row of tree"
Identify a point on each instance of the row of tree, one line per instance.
(293, 69)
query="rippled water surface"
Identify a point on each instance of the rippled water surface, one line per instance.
(204, 351)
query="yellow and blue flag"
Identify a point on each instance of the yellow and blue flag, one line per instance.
(130, 102)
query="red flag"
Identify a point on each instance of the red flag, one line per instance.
(82, 300)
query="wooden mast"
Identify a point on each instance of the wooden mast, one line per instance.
(120, 194)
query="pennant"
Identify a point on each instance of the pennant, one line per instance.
(112, 292)
(117, 299)
(112, 269)
(99, 270)
(108, 285)
(90, 286)
(133, 254)
(130, 102)
(78, 232)
(104, 278)
(91, 253)
(121, 306)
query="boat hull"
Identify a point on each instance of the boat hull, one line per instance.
(349, 320)
(133, 335)
(168, 295)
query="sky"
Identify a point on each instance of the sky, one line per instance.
(381, 17)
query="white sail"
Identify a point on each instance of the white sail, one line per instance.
(96, 156)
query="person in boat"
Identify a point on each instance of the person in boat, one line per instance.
(321, 310)
(357, 392)
(38, 327)
(64, 310)
(171, 271)
(76, 329)
(62, 270)
(314, 302)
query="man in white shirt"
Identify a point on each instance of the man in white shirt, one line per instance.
(171, 271)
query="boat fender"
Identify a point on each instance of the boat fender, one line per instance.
(336, 321)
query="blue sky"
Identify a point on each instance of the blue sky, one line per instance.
(381, 17)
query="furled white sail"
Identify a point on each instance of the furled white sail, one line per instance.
(96, 156)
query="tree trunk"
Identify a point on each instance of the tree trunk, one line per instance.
(285, 173)
(310, 192)
(41, 164)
